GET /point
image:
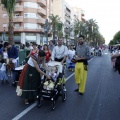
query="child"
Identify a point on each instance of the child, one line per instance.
(3, 75)
(53, 74)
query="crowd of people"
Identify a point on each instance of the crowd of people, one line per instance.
(38, 58)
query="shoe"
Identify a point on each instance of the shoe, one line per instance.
(26, 102)
(80, 93)
(76, 90)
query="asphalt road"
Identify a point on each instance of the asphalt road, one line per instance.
(100, 101)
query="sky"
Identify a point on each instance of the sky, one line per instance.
(105, 12)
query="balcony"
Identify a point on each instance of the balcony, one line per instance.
(18, 8)
(18, 19)
(42, 11)
(42, 3)
(19, 0)
(18, 28)
(67, 12)
(67, 18)
(41, 21)
(66, 24)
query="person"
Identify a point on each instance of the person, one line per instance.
(48, 52)
(117, 60)
(51, 46)
(29, 80)
(5, 54)
(59, 54)
(34, 50)
(81, 56)
(53, 73)
(70, 55)
(13, 57)
(3, 74)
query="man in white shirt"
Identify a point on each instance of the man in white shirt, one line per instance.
(59, 52)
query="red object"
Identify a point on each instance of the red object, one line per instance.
(48, 55)
(32, 53)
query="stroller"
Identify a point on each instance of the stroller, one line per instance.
(50, 89)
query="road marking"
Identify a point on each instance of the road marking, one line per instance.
(34, 104)
(24, 112)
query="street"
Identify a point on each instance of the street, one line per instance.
(99, 102)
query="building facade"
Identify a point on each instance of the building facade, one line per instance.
(68, 15)
(29, 19)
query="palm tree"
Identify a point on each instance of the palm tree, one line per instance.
(54, 20)
(9, 5)
(91, 24)
(59, 28)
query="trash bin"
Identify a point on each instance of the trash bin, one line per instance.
(22, 55)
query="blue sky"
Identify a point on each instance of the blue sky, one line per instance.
(105, 12)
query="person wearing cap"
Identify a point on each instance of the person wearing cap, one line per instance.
(81, 57)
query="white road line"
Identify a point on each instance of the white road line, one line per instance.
(24, 112)
(34, 104)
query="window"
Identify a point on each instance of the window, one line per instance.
(30, 4)
(5, 15)
(5, 25)
(30, 15)
(30, 26)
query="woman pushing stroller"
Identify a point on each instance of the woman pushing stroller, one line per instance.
(29, 80)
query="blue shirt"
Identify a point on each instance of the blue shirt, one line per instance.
(13, 52)
(1, 50)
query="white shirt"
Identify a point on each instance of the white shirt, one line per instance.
(3, 67)
(59, 52)
(71, 52)
(5, 55)
(30, 62)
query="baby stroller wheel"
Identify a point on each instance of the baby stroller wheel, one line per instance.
(53, 105)
(64, 96)
(39, 102)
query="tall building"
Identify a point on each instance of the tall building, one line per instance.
(68, 16)
(29, 19)
(63, 10)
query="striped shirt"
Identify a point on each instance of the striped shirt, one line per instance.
(82, 51)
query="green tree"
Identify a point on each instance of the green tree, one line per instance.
(54, 20)
(59, 28)
(9, 5)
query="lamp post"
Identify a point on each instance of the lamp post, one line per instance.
(46, 29)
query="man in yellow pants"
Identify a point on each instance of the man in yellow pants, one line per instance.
(82, 54)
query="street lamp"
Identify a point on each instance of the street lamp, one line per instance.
(46, 29)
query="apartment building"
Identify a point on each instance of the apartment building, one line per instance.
(29, 19)
(68, 15)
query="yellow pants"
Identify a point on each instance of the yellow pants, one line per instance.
(80, 76)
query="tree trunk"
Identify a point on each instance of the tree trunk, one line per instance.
(11, 31)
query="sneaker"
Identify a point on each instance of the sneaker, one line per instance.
(76, 90)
